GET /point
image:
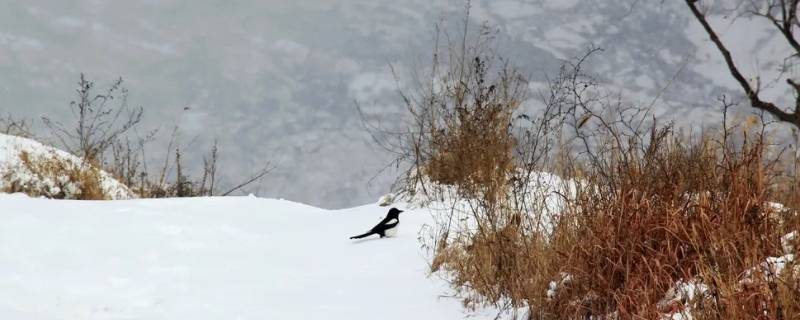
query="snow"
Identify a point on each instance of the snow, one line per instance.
(12, 169)
(249, 257)
(787, 242)
(684, 292)
(211, 258)
(680, 297)
(553, 285)
(545, 192)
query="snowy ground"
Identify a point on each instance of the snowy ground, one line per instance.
(210, 258)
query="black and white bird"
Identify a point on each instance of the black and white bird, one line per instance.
(386, 228)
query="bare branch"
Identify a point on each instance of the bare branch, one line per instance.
(255, 177)
(752, 94)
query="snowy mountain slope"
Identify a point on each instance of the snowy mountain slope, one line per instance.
(210, 258)
(12, 168)
(279, 80)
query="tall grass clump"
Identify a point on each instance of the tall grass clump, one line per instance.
(651, 217)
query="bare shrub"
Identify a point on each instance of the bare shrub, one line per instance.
(105, 134)
(100, 121)
(463, 150)
(471, 145)
(171, 179)
(15, 127)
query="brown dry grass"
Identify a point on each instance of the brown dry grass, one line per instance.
(479, 136)
(642, 211)
(61, 172)
(642, 219)
(679, 210)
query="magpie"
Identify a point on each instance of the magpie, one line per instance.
(387, 226)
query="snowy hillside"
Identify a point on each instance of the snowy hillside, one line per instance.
(211, 258)
(12, 169)
(278, 82)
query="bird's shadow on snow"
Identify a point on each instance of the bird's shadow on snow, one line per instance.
(358, 241)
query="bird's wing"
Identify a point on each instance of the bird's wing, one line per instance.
(386, 224)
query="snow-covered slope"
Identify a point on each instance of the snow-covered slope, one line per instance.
(278, 82)
(12, 168)
(211, 258)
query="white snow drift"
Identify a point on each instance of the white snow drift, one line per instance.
(211, 258)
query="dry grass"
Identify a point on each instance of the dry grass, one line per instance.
(649, 209)
(677, 211)
(57, 178)
(645, 209)
(641, 220)
(475, 151)
(462, 141)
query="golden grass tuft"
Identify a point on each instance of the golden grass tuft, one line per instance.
(57, 178)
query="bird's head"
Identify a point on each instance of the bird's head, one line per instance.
(394, 212)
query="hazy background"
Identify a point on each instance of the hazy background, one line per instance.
(277, 80)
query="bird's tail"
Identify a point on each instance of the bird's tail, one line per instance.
(363, 235)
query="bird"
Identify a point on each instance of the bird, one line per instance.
(387, 227)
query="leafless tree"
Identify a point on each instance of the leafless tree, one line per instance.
(783, 16)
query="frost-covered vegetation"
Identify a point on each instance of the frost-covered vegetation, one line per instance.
(29, 167)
